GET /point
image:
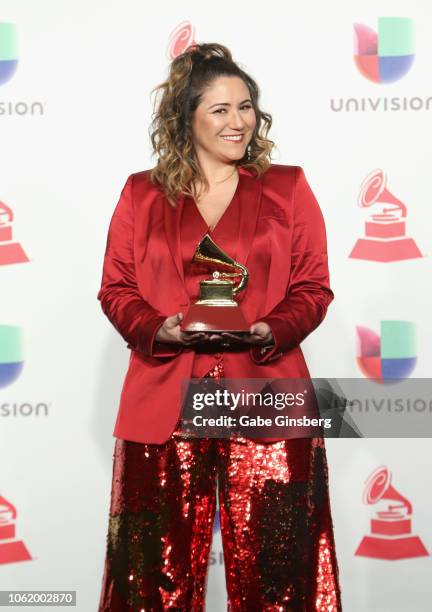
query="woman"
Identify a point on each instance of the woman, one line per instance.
(213, 175)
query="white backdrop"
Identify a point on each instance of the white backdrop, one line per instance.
(73, 126)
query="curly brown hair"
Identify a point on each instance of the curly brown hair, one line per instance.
(177, 98)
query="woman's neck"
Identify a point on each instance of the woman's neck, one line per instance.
(215, 171)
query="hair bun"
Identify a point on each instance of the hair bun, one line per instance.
(209, 51)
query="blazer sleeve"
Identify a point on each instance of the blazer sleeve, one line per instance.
(134, 318)
(308, 294)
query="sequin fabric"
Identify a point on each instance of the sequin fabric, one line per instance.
(275, 518)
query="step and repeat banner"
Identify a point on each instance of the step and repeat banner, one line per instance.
(349, 89)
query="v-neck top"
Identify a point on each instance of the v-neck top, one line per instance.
(225, 234)
(193, 228)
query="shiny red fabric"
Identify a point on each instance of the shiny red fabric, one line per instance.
(225, 234)
(275, 522)
(274, 505)
(281, 239)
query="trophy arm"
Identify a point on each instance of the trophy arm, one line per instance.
(244, 279)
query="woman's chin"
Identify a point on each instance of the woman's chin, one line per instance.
(230, 159)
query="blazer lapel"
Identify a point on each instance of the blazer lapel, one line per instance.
(172, 218)
(250, 201)
(250, 190)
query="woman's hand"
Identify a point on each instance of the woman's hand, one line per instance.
(260, 334)
(171, 333)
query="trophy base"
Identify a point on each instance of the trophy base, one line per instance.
(217, 319)
(391, 549)
(398, 528)
(12, 552)
(12, 253)
(392, 250)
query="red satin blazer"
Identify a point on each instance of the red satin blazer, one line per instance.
(281, 240)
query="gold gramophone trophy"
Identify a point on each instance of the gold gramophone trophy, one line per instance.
(216, 309)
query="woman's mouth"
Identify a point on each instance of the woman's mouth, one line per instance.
(233, 138)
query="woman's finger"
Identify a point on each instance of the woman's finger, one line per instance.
(255, 339)
(234, 337)
(192, 338)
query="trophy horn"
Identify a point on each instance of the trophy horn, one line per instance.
(209, 252)
(6, 214)
(374, 189)
(378, 486)
(6, 507)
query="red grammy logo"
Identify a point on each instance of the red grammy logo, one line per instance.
(180, 39)
(385, 229)
(10, 252)
(391, 537)
(11, 550)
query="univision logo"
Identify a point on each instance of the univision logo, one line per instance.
(11, 354)
(387, 55)
(390, 356)
(383, 56)
(8, 67)
(8, 52)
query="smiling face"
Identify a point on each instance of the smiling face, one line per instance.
(224, 120)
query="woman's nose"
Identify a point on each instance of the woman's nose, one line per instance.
(236, 121)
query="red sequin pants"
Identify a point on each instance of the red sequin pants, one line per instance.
(275, 520)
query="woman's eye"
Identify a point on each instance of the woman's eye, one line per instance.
(223, 110)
